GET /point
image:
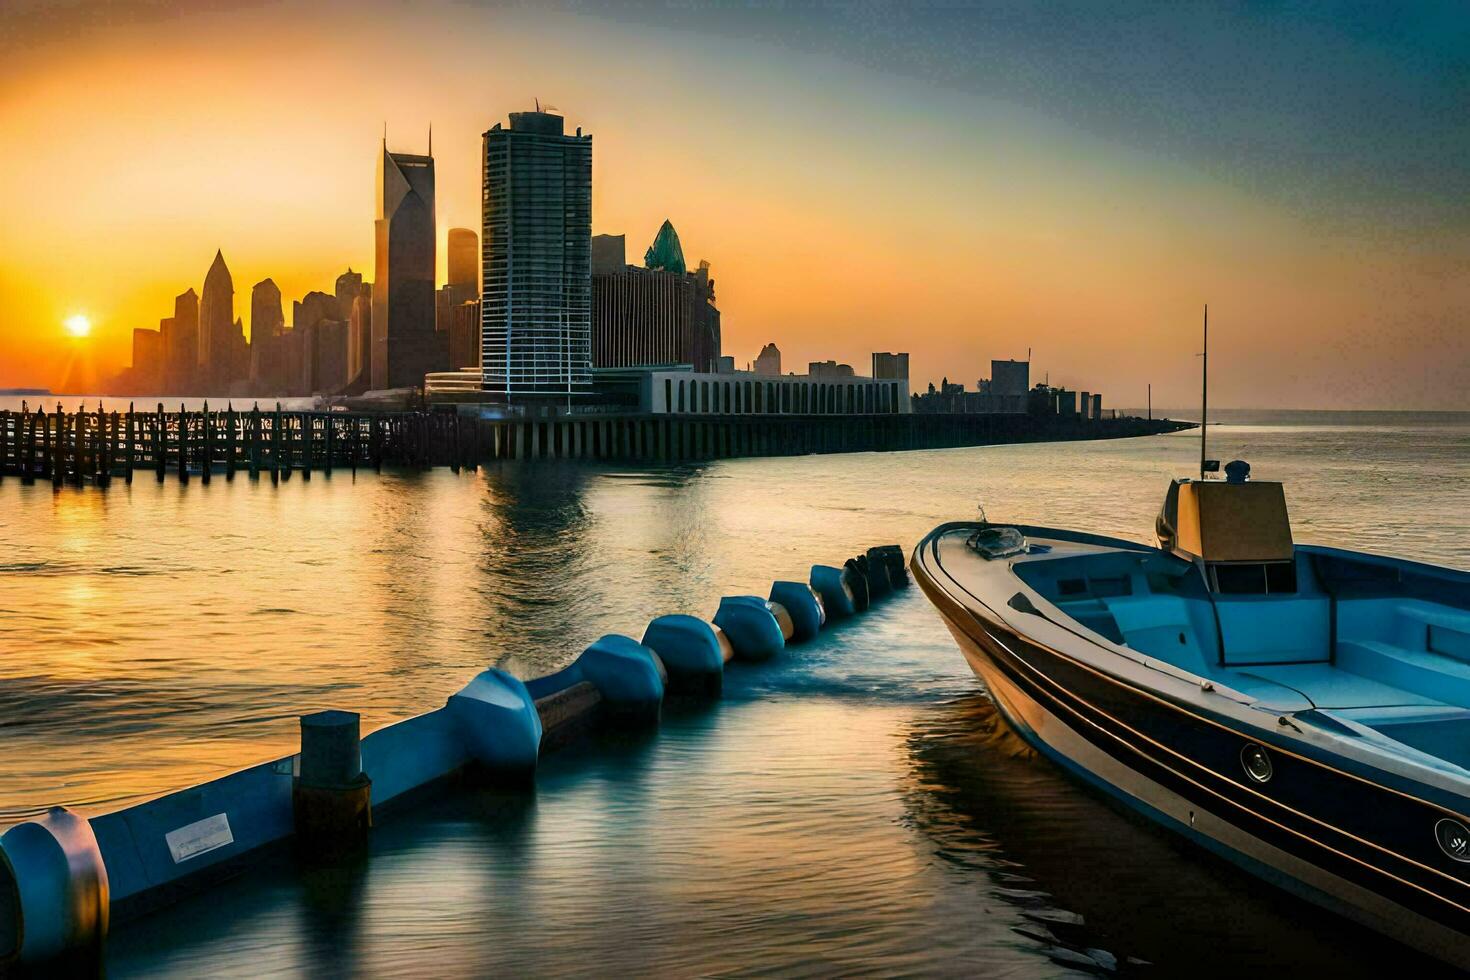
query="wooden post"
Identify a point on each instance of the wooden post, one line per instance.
(158, 435)
(206, 463)
(276, 437)
(28, 475)
(255, 441)
(5, 442)
(375, 437)
(308, 422)
(327, 460)
(109, 432)
(229, 440)
(355, 447)
(128, 447)
(183, 444)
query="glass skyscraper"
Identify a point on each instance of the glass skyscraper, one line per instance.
(536, 273)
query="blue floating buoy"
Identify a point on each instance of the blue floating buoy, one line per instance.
(690, 649)
(497, 717)
(60, 881)
(836, 591)
(752, 626)
(804, 607)
(628, 675)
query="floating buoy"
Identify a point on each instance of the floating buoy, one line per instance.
(834, 585)
(857, 581)
(691, 650)
(629, 677)
(890, 557)
(752, 625)
(59, 883)
(498, 719)
(803, 605)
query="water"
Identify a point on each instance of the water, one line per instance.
(853, 808)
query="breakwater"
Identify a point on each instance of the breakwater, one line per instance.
(94, 448)
(65, 879)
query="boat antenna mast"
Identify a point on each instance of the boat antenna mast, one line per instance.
(1204, 397)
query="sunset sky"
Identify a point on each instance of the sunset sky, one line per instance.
(960, 183)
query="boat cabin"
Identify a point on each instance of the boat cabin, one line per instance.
(1376, 645)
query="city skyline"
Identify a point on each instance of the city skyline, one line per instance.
(1335, 280)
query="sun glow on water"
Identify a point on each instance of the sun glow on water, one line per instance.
(78, 325)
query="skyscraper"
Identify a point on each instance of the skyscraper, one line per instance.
(464, 260)
(536, 281)
(654, 315)
(405, 345)
(217, 347)
(181, 350)
(266, 317)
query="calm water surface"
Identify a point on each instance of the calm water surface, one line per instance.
(853, 808)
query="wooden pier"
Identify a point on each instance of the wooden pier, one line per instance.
(95, 447)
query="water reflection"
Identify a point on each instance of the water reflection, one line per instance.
(1134, 895)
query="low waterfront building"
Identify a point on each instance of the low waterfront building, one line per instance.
(683, 392)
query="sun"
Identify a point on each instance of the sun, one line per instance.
(78, 325)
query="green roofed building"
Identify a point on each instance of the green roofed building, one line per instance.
(665, 253)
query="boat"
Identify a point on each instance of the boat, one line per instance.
(1303, 711)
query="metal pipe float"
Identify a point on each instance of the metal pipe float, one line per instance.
(628, 675)
(57, 882)
(834, 585)
(690, 649)
(891, 558)
(754, 629)
(803, 605)
(499, 722)
(857, 580)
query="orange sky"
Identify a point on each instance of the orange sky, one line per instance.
(843, 209)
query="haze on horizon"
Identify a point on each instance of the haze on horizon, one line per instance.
(960, 183)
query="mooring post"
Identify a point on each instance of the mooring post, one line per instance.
(255, 441)
(206, 463)
(5, 442)
(375, 438)
(128, 448)
(183, 444)
(229, 440)
(355, 448)
(158, 456)
(332, 798)
(308, 423)
(329, 425)
(109, 432)
(28, 475)
(79, 420)
(276, 445)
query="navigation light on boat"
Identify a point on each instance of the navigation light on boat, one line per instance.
(1256, 762)
(1454, 839)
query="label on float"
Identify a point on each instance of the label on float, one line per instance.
(198, 838)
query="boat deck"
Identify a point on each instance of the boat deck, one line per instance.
(1384, 655)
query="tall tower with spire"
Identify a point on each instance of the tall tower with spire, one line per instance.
(217, 329)
(405, 345)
